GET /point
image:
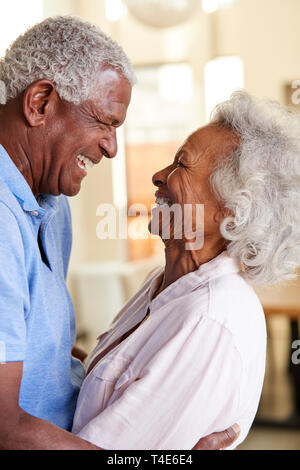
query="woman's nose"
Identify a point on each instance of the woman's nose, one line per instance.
(108, 144)
(160, 177)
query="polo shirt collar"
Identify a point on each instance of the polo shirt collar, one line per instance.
(15, 181)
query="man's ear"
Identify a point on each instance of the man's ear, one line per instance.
(38, 99)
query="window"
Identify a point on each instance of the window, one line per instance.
(222, 76)
(160, 117)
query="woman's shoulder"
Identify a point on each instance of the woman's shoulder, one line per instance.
(231, 295)
(234, 304)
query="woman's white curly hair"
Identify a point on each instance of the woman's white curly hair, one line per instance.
(260, 185)
(66, 50)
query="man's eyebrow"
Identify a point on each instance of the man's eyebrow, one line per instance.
(106, 120)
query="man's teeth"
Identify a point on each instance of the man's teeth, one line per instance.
(85, 161)
(163, 202)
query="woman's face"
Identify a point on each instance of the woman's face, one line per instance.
(186, 180)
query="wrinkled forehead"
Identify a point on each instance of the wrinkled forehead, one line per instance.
(211, 142)
(109, 81)
(111, 95)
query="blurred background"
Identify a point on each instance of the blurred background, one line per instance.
(188, 56)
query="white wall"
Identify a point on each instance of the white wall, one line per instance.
(57, 7)
(16, 16)
(266, 35)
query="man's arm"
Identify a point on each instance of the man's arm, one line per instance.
(22, 431)
(219, 440)
(19, 430)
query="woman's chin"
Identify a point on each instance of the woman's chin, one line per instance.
(154, 227)
(160, 222)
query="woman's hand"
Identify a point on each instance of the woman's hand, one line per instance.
(218, 440)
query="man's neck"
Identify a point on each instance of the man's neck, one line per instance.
(14, 138)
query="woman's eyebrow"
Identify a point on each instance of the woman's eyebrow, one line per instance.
(181, 153)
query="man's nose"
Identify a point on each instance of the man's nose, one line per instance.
(109, 144)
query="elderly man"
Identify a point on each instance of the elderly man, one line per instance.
(64, 89)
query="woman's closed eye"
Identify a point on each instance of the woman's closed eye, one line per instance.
(179, 163)
(178, 159)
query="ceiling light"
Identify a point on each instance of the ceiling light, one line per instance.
(209, 6)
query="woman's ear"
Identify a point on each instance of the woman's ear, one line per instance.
(37, 100)
(222, 213)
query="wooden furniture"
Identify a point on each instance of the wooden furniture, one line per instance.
(284, 299)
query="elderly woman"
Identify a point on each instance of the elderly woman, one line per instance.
(186, 355)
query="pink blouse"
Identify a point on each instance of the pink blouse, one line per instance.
(195, 366)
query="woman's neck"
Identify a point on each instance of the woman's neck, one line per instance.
(180, 261)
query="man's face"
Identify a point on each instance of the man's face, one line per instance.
(79, 136)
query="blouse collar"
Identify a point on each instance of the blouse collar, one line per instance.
(221, 265)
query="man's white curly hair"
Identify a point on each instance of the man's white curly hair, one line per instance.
(260, 184)
(66, 50)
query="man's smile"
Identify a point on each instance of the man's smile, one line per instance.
(83, 162)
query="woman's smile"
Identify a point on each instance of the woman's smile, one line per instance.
(162, 199)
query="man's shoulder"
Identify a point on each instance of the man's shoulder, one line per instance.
(12, 235)
(8, 201)
(10, 210)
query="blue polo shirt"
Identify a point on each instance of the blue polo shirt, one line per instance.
(37, 324)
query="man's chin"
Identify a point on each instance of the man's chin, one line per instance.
(70, 191)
